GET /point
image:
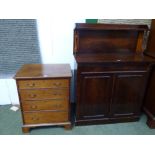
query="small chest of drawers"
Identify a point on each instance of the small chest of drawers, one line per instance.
(44, 93)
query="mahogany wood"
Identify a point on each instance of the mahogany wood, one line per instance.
(30, 84)
(41, 117)
(44, 93)
(41, 94)
(112, 72)
(52, 104)
(151, 40)
(149, 105)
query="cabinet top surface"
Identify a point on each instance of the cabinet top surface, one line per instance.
(112, 57)
(38, 71)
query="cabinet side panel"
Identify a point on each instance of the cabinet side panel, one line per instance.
(150, 94)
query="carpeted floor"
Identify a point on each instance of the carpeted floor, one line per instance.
(10, 124)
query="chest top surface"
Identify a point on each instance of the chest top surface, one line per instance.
(38, 71)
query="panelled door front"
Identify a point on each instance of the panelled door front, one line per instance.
(127, 94)
(94, 95)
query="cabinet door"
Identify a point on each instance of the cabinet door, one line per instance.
(128, 94)
(93, 96)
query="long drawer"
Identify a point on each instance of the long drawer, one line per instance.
(40, 94)
(54, 83)
(44, 117)
(55, 104)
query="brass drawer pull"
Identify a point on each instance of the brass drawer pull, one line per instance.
(56, 93)
(34, 107)
(57, 84)
(35, 118)
(32, 95)
(31, 84)
(57, 105)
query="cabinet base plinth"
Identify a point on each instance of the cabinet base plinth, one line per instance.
(106, 121)
(26, 127)
(151, 123)
(150, 118)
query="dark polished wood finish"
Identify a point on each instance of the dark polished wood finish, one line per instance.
(44, 93)
(112, 72)
(149, 105)
(151, 39)
(108, 38)
(127, 99)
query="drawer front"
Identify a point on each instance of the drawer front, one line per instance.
(45, 117)
(44, 94)
(55, 83)
(58, 104)
(116, 67)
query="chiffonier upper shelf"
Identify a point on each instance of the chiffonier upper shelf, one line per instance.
(109, 42)
(37, 71)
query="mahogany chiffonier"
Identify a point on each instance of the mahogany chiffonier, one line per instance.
(112, 72)
(44, 93)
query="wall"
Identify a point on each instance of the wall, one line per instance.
(126, 21)
(56, 40)
(4, 95)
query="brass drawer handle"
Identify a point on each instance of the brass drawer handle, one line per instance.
(35, 118)
(34, 107)
(57, 105)
(56, 93)
(32, 95)
(57, 84)
(31, 84)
